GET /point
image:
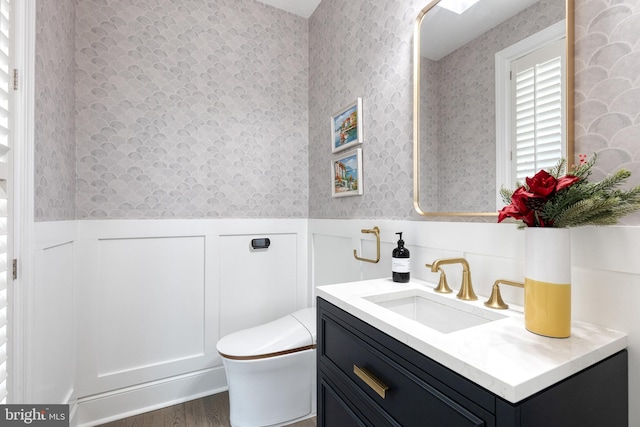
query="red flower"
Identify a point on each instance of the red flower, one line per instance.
(518, 209)
(545, 185)
(542, 184)
(528, 200)
(566, 181)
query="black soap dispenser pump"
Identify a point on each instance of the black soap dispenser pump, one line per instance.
(400, 262)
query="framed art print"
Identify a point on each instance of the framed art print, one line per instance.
(346, 174)
(346, 127)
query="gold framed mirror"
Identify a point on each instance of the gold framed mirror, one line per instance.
(472, 118)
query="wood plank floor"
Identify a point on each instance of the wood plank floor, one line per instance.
(210, 411)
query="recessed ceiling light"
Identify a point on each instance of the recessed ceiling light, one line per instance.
(303, 8)
(457, 6)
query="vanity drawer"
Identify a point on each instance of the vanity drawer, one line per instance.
(339, 406)
(411, 397)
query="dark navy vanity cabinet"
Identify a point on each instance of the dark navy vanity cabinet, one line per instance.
(367, 378)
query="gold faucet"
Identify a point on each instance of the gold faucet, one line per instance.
(466, 290)
(495, 300)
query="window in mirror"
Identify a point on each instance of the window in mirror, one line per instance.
(530, 106)
(537, 106)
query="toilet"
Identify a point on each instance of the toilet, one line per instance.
(271, 371)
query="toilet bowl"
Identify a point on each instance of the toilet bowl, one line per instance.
(271, 371)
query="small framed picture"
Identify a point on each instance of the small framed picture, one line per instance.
(346, 174)
(346, 127)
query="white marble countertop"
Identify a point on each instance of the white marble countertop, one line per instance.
(501, 355)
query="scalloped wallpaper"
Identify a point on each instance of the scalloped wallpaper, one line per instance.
(55, 130)
(607, 98)
(221, 109)
(363, 49)
(191, 109)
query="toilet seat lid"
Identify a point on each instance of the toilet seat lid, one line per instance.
(279, 336)
(307, 316)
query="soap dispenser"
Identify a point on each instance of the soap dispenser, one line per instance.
(400, 262)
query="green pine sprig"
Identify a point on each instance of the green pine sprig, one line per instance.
(506, 194)
(587, 203)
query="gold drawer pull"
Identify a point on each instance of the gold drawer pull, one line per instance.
(369, 379)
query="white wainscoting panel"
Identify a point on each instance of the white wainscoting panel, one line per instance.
(333, 260)
(257, 285)
(152, 302)
(383, 267)
(52, 371)
(47, 308)
(147, 309)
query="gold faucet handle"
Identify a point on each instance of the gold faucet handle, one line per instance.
(443, 286)
(495, 300)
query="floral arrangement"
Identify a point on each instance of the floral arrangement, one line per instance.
(557, 199)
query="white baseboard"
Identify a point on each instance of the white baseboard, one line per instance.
(73, 414)
(114, 405)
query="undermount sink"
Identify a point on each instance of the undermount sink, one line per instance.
(443, 314)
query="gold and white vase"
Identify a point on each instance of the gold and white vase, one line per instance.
(547, 281)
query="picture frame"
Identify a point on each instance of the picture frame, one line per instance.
(347, 173)
(347, 127)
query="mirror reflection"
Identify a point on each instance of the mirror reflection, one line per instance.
(490, 94)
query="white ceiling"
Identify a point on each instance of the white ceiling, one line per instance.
(303, 8)
(441, 22)
(443, 31)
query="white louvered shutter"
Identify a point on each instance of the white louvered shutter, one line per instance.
(6, 83)
(538, 99)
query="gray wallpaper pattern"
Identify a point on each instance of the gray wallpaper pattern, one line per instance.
(363, 49)
(191, 109)
(55, 132)
(607, 67)
(429, 131)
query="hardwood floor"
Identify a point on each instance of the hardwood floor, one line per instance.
(210, 411)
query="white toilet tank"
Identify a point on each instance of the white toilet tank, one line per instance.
(271, 371)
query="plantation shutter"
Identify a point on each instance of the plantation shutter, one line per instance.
(538, 120)
(6, 81)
